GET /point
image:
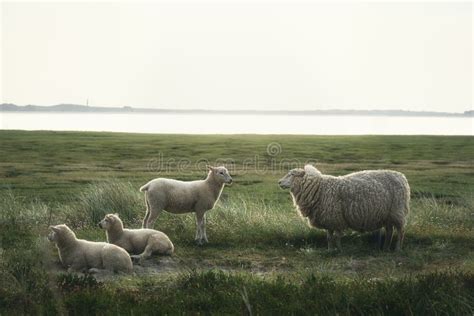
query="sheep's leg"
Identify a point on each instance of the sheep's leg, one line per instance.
(204, 233)
(155, 245)
(400, 237)
(93, 270)
(388, 237)
(154, 213)
(145, 219)
(199, 228)
(338, 235)
(145, 254)
(197, 237)
(378, 236)
(147, 214)
(330, 236)
(78, 265)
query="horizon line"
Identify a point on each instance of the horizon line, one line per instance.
(129, 107)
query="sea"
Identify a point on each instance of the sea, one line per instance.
(181, 123)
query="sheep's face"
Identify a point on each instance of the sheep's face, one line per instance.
(53, 235)
(58, 231)
(108, 221)
(221, 174)
(287, 181)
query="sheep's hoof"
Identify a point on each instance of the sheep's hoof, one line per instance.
(201, 242)
(334, 249)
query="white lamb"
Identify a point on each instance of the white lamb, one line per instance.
(79, 255)
(141, 243)
(183, 197)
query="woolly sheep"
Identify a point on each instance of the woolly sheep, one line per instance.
(363, 201)
(183, 197)
(140, 242)
(79, 255)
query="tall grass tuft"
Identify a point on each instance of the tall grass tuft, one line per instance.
(111, 196)
(429, 211)
(254, 220)
(18, 218)
(24, 287)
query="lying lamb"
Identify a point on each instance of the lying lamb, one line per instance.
(183, 197)
(364, 201)
(141, 243)
(79, 255)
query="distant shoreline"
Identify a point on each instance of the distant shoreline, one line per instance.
(74, 108)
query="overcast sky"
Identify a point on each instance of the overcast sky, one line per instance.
(239, 55)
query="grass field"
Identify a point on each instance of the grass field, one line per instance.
(262, 257)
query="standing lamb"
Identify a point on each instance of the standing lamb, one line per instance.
(81, 255)
(183, 197)
(364, 201)
(141, 243)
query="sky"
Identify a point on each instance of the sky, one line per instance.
(239, 55)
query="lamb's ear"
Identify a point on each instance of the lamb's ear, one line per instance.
(116, 214)
(210, 167)
(311, 170)
(54, 228)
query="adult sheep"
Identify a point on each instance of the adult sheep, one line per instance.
(180, 197)
(363, 201)
(141, 243)
(79, 255)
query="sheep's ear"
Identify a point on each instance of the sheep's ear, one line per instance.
(311, 170)
(210, 167)
(297, 172)
(54, 228)
(116, 214)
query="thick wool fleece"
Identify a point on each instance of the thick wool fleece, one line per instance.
(363, 201)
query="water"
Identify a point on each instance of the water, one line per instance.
(238, 124)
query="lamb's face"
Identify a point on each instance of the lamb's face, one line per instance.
(287, 181)
(57, 231)
(108, 221)
(221, 174)
(52, 236)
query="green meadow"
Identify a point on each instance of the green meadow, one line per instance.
(262, 257)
